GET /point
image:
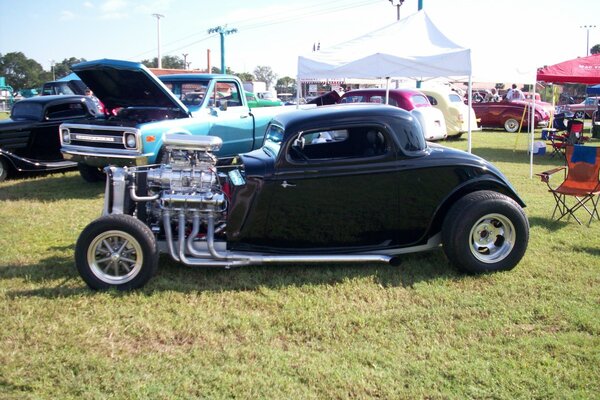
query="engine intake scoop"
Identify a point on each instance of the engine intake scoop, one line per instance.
(192, 143)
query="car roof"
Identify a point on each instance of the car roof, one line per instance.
(382, 90)
(59, 98)
(188, 77)
(321, 117)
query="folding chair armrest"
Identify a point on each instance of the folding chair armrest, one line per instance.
(545, 176)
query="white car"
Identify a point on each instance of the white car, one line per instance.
(456, 112)
(431, 119)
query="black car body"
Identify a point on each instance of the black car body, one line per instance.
(29, 139)
(350, 183)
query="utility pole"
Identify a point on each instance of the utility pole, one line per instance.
(52, 69)
(158, 17)
(397, 3)
(587, 43)
(185, 63)
(223, 31)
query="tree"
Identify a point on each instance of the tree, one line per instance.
(595, 49)
(286, 85)
(22, 72)
(245, 76)
(63, 68)
(217, 70)
(265, 74)
(171, 62)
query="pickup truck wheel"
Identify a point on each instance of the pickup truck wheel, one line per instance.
(485, 231)
(511, 125)
(116, 251)
(91, 174)
(3, 169)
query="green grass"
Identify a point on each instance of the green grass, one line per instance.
(421, 330)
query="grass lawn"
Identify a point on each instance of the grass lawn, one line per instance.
(421, 330)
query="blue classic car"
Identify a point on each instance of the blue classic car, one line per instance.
(140, 109)
(348, 183)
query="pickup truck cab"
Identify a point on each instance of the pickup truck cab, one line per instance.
(140, 108)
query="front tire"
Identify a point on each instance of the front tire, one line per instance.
(579, 114)
(91, 174)
(485, 231)
(511, 125)
(116, 251)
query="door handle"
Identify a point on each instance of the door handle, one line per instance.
(285, 184)
(243, 116)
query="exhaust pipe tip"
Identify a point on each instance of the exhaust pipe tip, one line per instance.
(395, 261)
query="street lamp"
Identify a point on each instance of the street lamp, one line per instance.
(221, 30)
(587, 43)
(158, 17)
(397, 3)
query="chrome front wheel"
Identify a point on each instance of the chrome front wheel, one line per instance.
(115, 257)
(116, 251)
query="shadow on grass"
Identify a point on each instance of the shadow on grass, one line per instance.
(172, 276)
(515, 156)
(548, 223)
(52, 187)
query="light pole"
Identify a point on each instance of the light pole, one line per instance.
(587, 43)
(397, 3)
(52, 69)
(185, 63)
(221, 30)
(158, 17)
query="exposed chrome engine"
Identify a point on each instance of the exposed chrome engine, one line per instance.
(182, 200)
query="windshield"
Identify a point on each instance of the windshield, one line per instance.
(190, 93)
(273, 139)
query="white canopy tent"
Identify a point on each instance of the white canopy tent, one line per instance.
(410, 48)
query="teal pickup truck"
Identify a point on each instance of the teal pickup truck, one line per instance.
(140, 108)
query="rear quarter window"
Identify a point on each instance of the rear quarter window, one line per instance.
(419, 100)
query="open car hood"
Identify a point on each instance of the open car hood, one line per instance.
(119, 83)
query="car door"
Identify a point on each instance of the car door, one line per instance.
(335, 189)
(230, 119)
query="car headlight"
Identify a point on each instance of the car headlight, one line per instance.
(130, 141)
(66, 136)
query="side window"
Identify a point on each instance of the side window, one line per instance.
(225, 92)
(432, 100)
(354, 99)
(331, 145)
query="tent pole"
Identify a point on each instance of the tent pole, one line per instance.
(298, 90)
(470, 105)
(532, 130)
(387, 90)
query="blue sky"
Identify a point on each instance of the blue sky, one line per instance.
(274, 33)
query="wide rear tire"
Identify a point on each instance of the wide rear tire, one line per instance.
(485, 231)
(116, 251)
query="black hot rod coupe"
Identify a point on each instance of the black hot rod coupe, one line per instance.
(349, 183)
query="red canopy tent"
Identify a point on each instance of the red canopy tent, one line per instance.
(579, 70)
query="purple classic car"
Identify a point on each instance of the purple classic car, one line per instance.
(508, 115)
